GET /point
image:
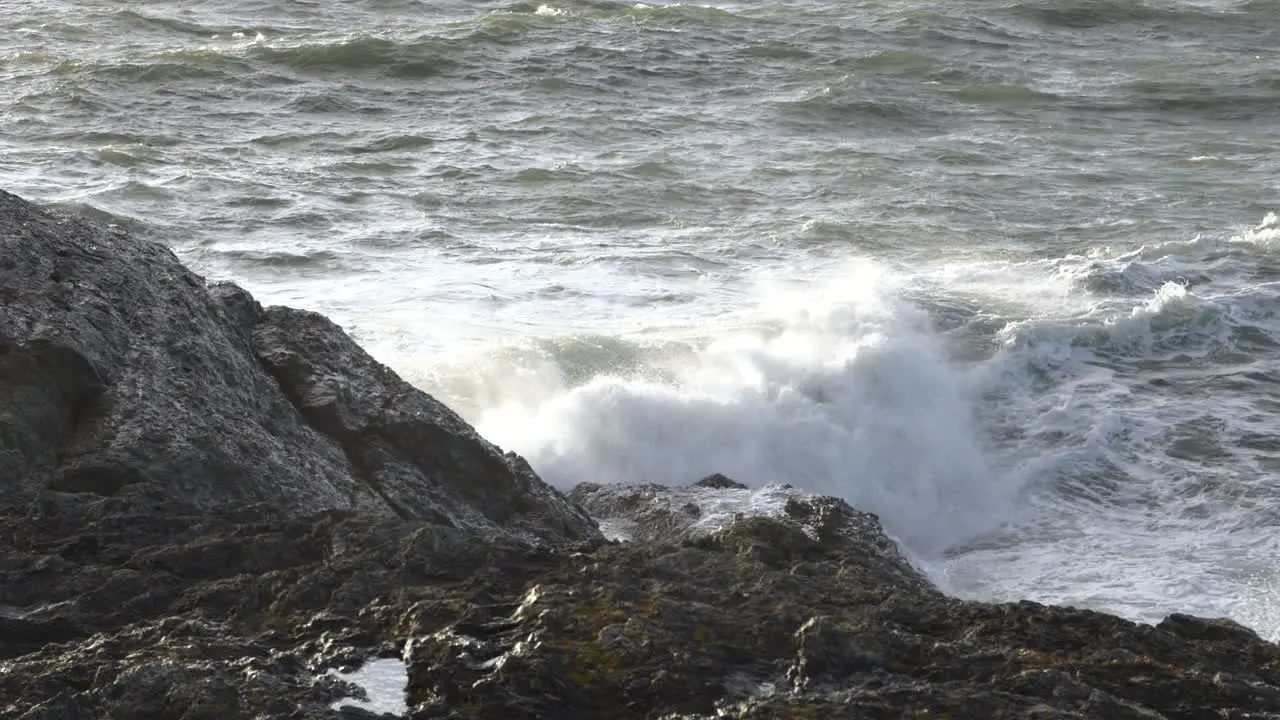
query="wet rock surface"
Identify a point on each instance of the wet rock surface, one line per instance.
(126, 608)
(205, 505)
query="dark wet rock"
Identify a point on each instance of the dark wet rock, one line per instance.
(806, 611)
(206, 506)
(350, 712)
(121, 373)
(717, 481)
(758, 619)
(118, 370)
(734, 517)
(223, 614)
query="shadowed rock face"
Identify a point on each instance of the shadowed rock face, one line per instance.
(205, 504)
(121, 373)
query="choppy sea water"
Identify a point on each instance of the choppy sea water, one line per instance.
(1003, 272)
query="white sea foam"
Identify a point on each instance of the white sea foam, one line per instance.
(1039, 465)
(843, 386)
(1266, 233)
(1124, 520)
(384, 682)
(842, 389)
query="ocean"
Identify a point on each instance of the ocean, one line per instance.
(1004, 272)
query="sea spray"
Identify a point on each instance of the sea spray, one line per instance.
(842, 388)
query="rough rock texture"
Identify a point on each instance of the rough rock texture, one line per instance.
(655, 513)
(121, 373)
(421, 458)
(126, 607)
(205, 505)
(809, 611)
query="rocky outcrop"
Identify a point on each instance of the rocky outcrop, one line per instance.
(126, 608)
(656, 513)
(205, 505)
(120, 372)
(808, 611)
(419, 457)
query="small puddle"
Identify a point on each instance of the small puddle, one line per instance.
(384, 680)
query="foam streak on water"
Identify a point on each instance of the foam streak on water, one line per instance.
(1005, 274)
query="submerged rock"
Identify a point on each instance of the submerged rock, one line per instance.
(205, 506)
